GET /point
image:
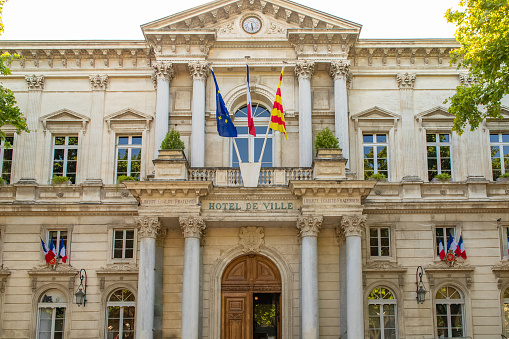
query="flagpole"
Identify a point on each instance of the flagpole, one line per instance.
(249, 136)
(237, 150)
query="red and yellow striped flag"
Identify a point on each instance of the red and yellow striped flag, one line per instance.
(277, 119)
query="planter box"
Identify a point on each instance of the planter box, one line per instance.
(441, 181)
(171, 164)
(171, 154)
(329, 153)
(506, 180)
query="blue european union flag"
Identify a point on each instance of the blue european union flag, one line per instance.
(225, 126)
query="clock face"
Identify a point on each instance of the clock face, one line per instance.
(252, 25)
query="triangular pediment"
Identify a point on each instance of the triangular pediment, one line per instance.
(128, 116)
(376, 113)
(64, 118)
(224, 16)
(438, 113)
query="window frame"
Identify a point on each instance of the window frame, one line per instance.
(376, 144)
(504, 301)
(499, 143)
(123, 248)
(129, 146)
(444, 225)
(111, 243)
(37, 305)
(45, 229)
(503, 231)
(379, 238)
(3, 150)
(437, 144)
(66, 147)
(448, 302)
(122, 304)
(383, 302)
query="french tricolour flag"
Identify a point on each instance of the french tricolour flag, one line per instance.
(49, 254)
(460, 249)
(250, 122)
(452, 245)
(441, 250)
(62, 253)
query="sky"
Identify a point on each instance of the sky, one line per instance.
(121, 20)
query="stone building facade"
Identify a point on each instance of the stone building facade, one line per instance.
(314, 250)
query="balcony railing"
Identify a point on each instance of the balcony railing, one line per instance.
(269, 176)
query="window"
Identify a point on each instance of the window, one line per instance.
(506, 312)
(449, 308)
(442, 233)
(499, 143)
(120, 315)
(505, 241)
(439, 154)
(51, 315)
(261, 115)
(375, 154)
(123, 244)
(379, 242)
(382, 314)
(128, 156)
(56, 236)
(65, 157)
(6, 154)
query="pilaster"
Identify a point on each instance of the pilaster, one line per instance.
(199, 72)
(339, 71)
(163, 73)
(406, 82)
(98, 84)
(304, 71)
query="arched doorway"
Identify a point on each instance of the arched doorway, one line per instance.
(251, 299)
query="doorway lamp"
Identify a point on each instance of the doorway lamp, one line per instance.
(421, 290)
(81, 293)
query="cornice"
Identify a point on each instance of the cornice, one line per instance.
(118, 269)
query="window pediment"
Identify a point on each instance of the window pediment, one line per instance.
(499, 124)
(128, 120)
(64, 120)
(376, 116)
(435, 118)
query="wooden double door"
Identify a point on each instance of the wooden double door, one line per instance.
(251, 299)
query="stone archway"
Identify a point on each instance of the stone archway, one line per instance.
(251, 299)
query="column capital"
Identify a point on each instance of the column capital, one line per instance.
(339, 69)
(304, 69)
(148, 227)
(466, 79)
(98, 82)
(163, 70)
(192, 227)
(405, 80)
(353, 224)
(35, 82)
(309, 226)
(199, 70)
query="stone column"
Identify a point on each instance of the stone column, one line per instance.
(353, 225)
(163, 71)
(339, 71)
(192, 228)
(308, 229)
(304, 70)
(29, 140)
(148, 228)
(199, 71)
(343, 309)
(410, 162)
(94, 137)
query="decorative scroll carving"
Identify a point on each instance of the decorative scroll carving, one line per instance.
(34, 82)
(466, 79)
(226, 29)
(163, 70)
(192, 227)
(304, 69)
(339, 69)
(340, 234)
(405, 81)
(252, 238)
(275, 29)
(199, 70)
(309, 226)
(98, 82)
(148, 227)
(353, 225)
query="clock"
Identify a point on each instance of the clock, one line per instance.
(252, 25)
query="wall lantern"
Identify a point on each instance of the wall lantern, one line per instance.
(81, 293)
(421, 290)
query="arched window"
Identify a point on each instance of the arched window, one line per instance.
(506, 312)
(51, 315)
(382, 306)
(261, 116)
(449, 307)
(120, 315)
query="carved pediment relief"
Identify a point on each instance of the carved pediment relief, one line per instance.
(64, 120)
(118, 269)
(129, 119)
(377, 115)
(435, 117)
(499, 124)
(440, 271)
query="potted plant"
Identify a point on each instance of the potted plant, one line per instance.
(327, 145)
(122, 178)
(172, 147)
(442, 177)
(503, 177)
(377, 176)
(59, 180)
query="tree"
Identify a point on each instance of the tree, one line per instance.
(9, 110)
(483, 32)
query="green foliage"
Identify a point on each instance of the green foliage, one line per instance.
(443, 176)
(2, 181)
(121, 178)
(483, 32)
(58, 179)
(172, 141)
(505, 175)
(326, 139)
(377, 176)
